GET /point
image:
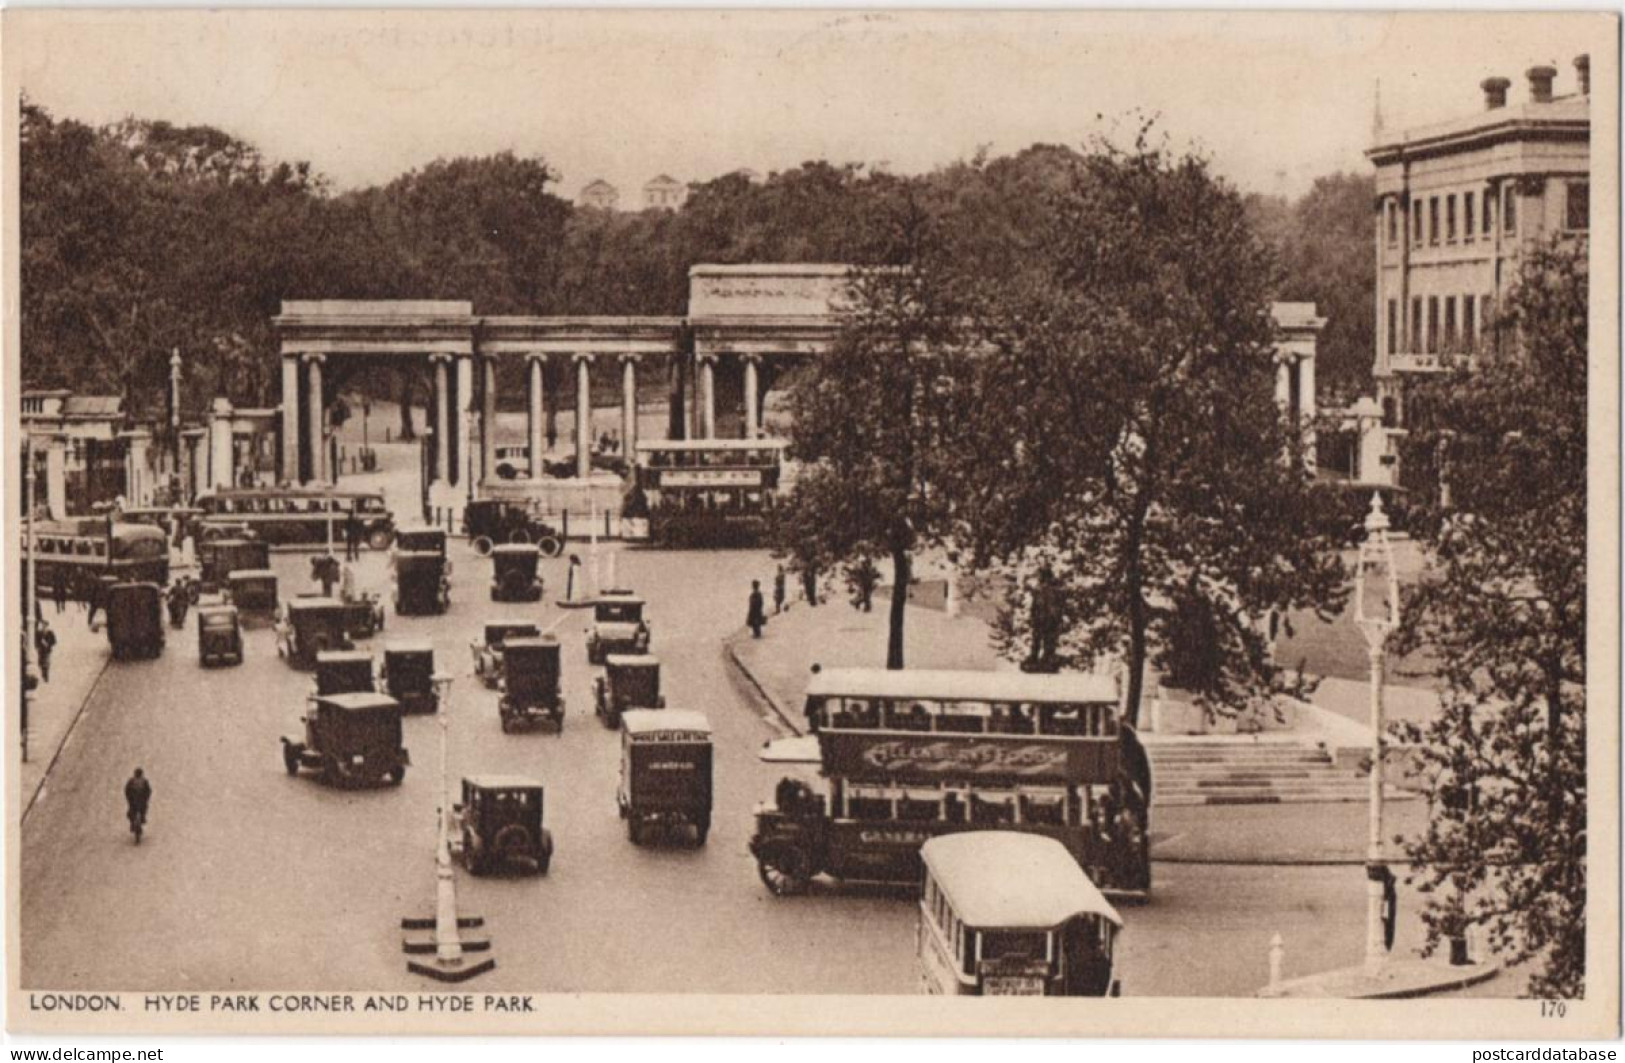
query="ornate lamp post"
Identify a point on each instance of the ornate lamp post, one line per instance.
(450, 964)
(30, 593)
(1376, 613)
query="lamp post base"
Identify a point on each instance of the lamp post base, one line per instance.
(420, 939)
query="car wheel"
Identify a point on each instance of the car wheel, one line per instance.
(379, 539)
(507, 725)
(550, 545)
(482, 545)
(634, 830)
(544, 858)
(397, 774)
(290, 759)
(519, 537)
(786, 870)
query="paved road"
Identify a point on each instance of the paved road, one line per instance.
(249, 879)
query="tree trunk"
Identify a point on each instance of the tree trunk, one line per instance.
(902, 576)
(407, 432)
(1138, 622)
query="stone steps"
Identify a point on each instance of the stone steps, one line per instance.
(1197, 772)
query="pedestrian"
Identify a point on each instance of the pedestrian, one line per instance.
(352, 536)
(809, 584)
(325, 569)
(44, 643)
(778, 590)
(865, 577)
(347, 582)
(96, 599)
(137, 796)
(59, 593)
(756, 616)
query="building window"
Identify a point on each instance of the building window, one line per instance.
(1433, 324)
(1393, 323)
(1393, 223)
(1489, 212)
(1450, 219)
(1467, 217)
(1416, 237)
(1449, 323)
(1469, 324)
(1509, 211)
(1577, 215)
(1433, 220)
(1416, 325)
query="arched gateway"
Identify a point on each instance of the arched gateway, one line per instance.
(745, 326)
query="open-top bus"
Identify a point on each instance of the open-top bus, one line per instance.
(709, 492)
(1010, 914)
(910, 755)
(296, 515)
(80, 553)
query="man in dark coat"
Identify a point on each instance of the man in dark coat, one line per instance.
(137, 793)
(352, 536)
(756, 616)
(778, 590)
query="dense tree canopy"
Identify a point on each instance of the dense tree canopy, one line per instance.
(1505, 610)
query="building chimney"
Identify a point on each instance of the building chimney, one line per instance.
(1540, 83)
(1582, 66)
(1495, 92)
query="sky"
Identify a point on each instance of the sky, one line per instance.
(1275, 99)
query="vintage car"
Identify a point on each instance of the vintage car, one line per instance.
(363, 614)
(500, 825)
(513, 574)
(421, 541)
(309, 626)
(350, 739)
(421, 585)
(408, 675)
(219, 636)
(488, 522)
(530, 685)
(487, 650)
(253, 590)
(665, 773)
(628, 682)
(135, 620)
(344, 672)
(618, 626)
(219, 558)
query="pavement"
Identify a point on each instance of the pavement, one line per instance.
(250, 878)
(77, 663)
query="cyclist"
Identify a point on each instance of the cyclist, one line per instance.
(137, 792)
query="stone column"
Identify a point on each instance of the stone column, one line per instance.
(753, 419)
(583, 416)
(1306, 406)
(56, 478)
(137, 477)
(462, 472)
(290, 421)
(1283, 383)
(222, 452)
(629, 405)
(199, 470)
(488, 419)
(533, 425)
(314, 428)
(708, 396)
(442, 421)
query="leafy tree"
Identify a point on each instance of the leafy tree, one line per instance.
(1135, 366)
(876, 424)
(1505, 611)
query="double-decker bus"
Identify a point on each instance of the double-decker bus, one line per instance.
(295, 515)
(78, 554)
(910, 755)
(709, 492)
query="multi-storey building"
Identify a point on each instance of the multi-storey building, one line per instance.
(1457, 204)
(664, 193)
(600, 195)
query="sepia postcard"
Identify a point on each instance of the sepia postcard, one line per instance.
(787, 522)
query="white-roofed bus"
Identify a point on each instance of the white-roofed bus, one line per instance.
(1010, 914)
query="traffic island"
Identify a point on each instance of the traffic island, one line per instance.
(1396, 979)
(419, 939)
